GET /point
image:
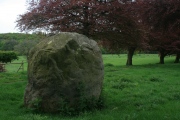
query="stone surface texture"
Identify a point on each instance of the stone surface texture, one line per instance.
(63, 69)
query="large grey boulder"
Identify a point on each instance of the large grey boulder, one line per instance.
(64, 70)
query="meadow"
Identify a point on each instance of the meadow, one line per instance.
(144, 91)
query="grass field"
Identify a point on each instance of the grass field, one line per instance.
(144, 91)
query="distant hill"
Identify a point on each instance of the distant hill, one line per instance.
(20, 36)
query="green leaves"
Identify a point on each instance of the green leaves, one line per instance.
(7, 56)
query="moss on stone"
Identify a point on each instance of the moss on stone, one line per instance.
(56, 68)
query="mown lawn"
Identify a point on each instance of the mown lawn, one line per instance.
(144, 91)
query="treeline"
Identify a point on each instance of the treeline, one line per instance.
(18, 36)
(19, 42)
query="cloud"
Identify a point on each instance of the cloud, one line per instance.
(9, 11)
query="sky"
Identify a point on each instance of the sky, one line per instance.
(9, 11)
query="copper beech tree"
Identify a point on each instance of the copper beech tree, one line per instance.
(118, 24)
(111, 22)
(162, 21)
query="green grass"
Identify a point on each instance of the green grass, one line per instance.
(138, 59)
(14, 67)
(145, 91)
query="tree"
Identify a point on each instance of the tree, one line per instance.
(105, 20)
(162, 20)
(9, 45)
(1, 44)
(175, 47)
(24, 47)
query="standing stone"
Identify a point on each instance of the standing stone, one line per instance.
(64, 70)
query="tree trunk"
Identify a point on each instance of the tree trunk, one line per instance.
(177, 58)
(86, 21)
(161, 59)
(130, 55)
(161, 55)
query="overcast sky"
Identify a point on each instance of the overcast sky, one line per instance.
(9, 11)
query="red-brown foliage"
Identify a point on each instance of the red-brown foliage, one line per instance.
(119, 24)
(162, 21)
(111, 21)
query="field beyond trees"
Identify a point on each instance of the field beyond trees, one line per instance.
(144, 91)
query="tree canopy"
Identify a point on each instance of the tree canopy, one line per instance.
(117, 24)
(162, 21)
(104, 20)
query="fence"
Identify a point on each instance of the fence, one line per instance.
(3, 68)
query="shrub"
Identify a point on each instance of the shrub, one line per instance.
(7, 56)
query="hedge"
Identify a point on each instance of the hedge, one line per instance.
(7, 56)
